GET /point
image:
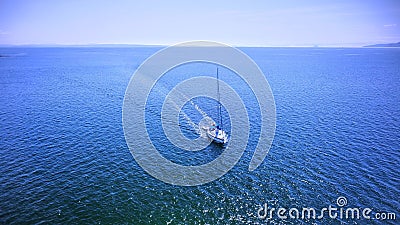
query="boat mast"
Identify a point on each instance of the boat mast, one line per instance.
(219, 102)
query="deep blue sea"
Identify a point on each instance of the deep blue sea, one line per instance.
(64, 158)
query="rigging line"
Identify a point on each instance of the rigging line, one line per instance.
(219, 102)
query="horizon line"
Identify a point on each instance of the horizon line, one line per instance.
(166, 45)
(342, 45)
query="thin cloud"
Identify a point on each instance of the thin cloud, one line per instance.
(390, 25)
(2, 32)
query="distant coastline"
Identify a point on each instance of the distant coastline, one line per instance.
(77, 45)
(389, 45)
(94, 45)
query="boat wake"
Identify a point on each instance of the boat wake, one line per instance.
(205, 122)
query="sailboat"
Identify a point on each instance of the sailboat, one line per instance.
(216, 132)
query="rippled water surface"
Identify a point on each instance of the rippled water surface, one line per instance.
(63, 156)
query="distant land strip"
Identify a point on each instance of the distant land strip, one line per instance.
(395, 45)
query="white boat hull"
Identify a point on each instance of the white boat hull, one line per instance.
(217, 135)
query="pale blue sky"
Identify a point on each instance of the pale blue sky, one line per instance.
(245, 23)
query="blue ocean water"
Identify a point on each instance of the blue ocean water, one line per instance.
(64, 159)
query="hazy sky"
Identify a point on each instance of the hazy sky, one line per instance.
(261, 23)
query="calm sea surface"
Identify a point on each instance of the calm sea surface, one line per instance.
(64, 159)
